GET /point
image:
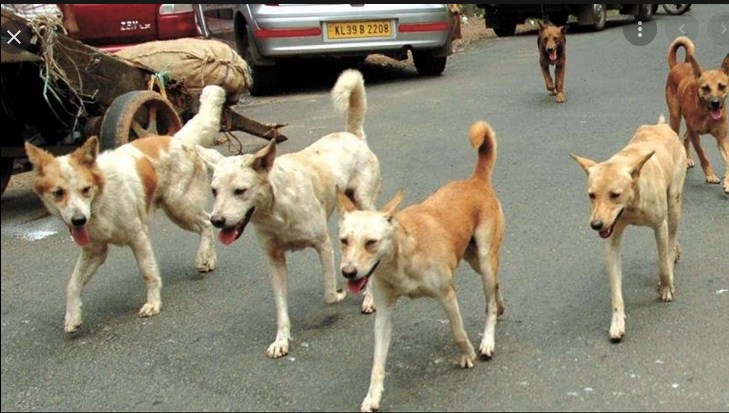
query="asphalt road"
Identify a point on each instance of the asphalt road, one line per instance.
(206, 350)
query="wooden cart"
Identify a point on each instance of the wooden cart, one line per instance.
(111, 97)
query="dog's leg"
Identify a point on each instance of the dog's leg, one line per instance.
(326, 258)
(704, 161)
(614, 270)
(723, 143)
(487, 266)
(279, 281)
(368, 303)
(687, 148)
(450, 305)
(674, 217)
(549, 84)
(383, 334)
(186, 210)
(92, 256)
(559, 76)
(665, 264)
(144, 254)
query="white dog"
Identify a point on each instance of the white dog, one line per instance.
(290, 198)
(110, 198)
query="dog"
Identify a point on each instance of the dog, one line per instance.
(415, 253)
(698, 96)
(640, 185)
(290, 198)
(552, 45)
(110, 198)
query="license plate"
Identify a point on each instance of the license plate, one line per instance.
(364, 29)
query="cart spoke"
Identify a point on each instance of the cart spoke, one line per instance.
(152, 124)
(138, 129)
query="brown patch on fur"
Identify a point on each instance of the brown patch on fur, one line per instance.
(148, 176)
(152, 145)
(552, 38)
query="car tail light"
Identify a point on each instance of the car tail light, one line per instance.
(165, 9)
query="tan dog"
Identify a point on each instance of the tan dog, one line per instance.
(289, 198)
(110, 198)
(698, 96)
(415, 253)
(552, 45)
(640, 185)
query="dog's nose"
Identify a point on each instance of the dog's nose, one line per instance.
(78, 220)
(349, 274)
(217, 221)
(716, 104)
(596, 224)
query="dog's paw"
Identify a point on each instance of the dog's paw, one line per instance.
(467, 361)
(667, 292)
(560, 97)
(368, 303)
(486, 350)
(278, 349)
(689, 163)
(206, 260)
(712, 179)
(726, 186)
(336, 297)
(150, 309)
(72, 328)
(369, 405)
(617, 328)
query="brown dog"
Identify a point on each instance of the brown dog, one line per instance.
(552, 44)
(415, 253)
(698, 96)
(640, 185)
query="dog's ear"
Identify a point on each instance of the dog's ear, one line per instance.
(584, 162)
(695, 66)
(38, 157)
(263, 159)
(542, 24)
(725, 65)
(638, 163)
(87, 153)
(344, 203)
(210, 157)
(563, 29)
(391, 206)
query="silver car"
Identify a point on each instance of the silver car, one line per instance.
(266, 34)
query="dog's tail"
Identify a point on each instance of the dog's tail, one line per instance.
(349, 97)
(673, 48)
(483, 139)
(204, 127)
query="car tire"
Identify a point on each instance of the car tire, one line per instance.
(600, 13)
(559, 18)
(505, 28)
(676, 9)
(263, 77)
(429, 65)
(645, 12)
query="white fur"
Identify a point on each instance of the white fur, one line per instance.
(294, 195)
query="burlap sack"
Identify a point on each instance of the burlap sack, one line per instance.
(195, 62)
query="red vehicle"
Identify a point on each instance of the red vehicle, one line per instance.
(112, 27)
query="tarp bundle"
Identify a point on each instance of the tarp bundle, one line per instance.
(195, 62)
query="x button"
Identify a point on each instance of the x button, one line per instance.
(15, 37)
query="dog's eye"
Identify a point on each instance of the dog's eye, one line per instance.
(370, 243)
(722, 86)
(58, 193)
(86, 191)
(614, 195)
(239, 191)
(591, 195)
(344, 241)
(706, 88)
(215, 192)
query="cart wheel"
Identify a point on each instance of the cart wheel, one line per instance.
(6, 167)
(136, 114)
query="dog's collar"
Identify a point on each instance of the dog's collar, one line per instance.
(374, 267)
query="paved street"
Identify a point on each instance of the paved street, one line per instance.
(206, 350)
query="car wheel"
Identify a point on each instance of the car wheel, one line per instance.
(600, 13)
(263, 77)
(645, 12)
(429, 65)
(505, 28)
(676, 9)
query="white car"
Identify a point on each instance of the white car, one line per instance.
(267, 34)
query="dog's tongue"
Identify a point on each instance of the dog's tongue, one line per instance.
(553, 55)
(606, 232)
(355, 286)
(228, 236)
(715, 114)
(80, 235)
